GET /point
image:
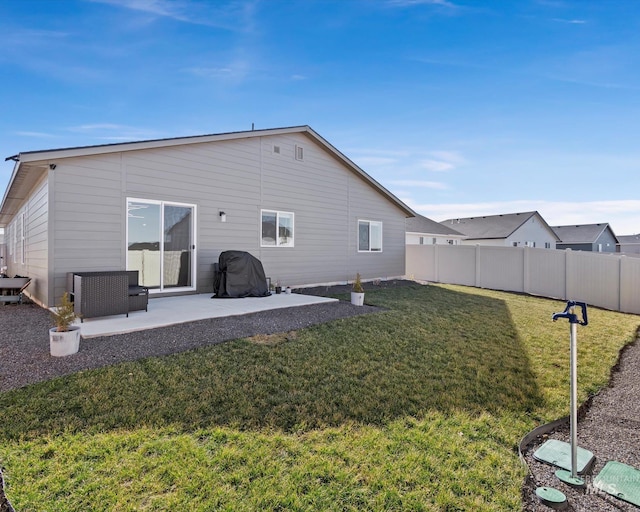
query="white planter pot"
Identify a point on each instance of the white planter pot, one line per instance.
(357, 299)
(64, 343)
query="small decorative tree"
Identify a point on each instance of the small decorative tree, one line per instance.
(357, 284)
(357, 292)
(64, 314)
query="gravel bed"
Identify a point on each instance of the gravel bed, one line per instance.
(610, 428)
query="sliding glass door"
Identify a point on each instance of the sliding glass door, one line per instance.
(161, 243)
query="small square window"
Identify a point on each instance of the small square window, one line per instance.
(369, 236)
(277, 229)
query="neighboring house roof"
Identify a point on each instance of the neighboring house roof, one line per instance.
(422, 224)
(581, 233)
(628, 239)
(31, 164)
(493, 226)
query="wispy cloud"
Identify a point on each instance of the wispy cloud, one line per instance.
(112, 131)
(420, 183)
(442, 161)
(436, 165)
(235, 15)
(375, 161)
(604, 67)
(570, 22)
(40, 135)
(235, 71)
(412, 3)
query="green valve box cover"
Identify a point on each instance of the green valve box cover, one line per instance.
(619, 480)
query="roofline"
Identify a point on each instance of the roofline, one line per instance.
(44, 155)
(100, 149)
(530, 214)
(604, 224)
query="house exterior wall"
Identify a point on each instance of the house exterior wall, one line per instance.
(31, 261)
(575, 247)
(430, 239)
(630, 248)
(240, 177)
(607, 241)
(532, 231)
(493, 242)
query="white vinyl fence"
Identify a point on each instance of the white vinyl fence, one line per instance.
(610, 281)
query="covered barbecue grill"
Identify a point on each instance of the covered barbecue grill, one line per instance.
(239, 274)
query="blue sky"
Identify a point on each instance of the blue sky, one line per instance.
(459, 107)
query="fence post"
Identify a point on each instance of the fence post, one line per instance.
(477, 276)
(620, 282)
(567, 272)
(525, 270)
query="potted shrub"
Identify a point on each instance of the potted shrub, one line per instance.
(64, 338)
(357, 292)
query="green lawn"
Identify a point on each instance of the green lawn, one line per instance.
(419, 407)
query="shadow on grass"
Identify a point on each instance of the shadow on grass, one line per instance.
(433, 349)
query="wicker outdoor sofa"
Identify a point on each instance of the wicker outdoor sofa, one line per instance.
(116, 292)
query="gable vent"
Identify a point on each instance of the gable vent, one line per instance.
(276, 150)
(299, 153)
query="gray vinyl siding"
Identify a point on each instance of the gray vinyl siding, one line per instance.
(607, 240)
(36, 222)
(88, 217)
(240, 177)
(575, 247)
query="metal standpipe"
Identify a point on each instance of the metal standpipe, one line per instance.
(572, 477)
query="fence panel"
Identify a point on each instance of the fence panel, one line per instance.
(420, 262)
(604, 280)
(546, 273)
(500, 268)
(455, 264)
(629, 285)
(594, 278)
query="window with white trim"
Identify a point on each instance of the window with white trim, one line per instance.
(299, 152)
(22, 239)
(369, 236)
(277, 228)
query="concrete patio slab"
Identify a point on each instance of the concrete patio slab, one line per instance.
(165, 311)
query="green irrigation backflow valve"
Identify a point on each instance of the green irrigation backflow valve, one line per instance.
(571, 477)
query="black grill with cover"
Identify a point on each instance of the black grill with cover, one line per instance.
(239, 274)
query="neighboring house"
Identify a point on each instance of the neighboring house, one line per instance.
(629, 244)
(424, 231)
(525, 229)
(169, 207)
(586, 237)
